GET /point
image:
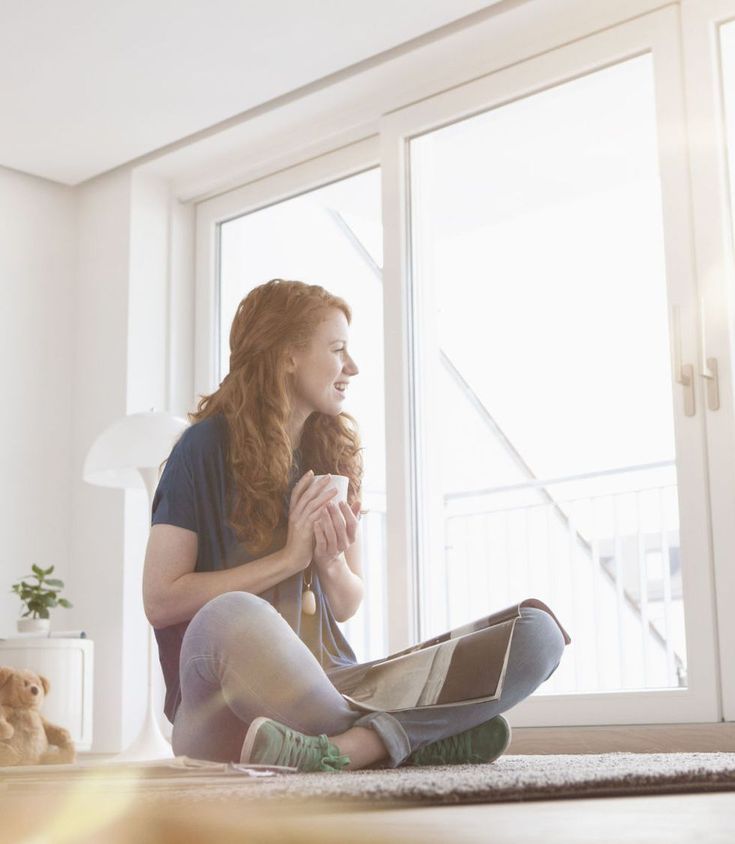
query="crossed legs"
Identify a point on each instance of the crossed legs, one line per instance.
(240, 659)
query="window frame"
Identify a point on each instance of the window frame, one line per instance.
(655, 33)
(714, 228)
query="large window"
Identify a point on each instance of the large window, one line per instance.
(332, 237)
(524, 244)
(538, 226)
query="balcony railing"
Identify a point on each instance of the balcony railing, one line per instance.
(602, 550)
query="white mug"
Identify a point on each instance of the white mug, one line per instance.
(338, 482)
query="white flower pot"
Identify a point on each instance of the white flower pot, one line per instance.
(33, 625)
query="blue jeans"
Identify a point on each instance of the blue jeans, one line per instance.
(240, 659)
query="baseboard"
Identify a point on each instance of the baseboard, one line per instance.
(628, 738)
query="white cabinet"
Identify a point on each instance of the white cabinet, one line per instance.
(68, 666)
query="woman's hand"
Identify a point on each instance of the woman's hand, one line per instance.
(308, 499)
(334, 531)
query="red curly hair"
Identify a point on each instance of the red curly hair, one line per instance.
(273, 319)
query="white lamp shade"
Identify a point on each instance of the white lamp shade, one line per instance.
(137, 441)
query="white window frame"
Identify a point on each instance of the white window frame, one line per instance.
(512, 37)
(712, 208)
(656, 32)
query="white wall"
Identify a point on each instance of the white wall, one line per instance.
(64, 286)
(146, 389)
(84, 301)
(127, 360)
(37, 317)
(100, 384)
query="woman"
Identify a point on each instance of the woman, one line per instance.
(240, 531)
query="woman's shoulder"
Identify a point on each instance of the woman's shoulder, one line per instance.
(204, 438)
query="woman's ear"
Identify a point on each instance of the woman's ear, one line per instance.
(290, 359)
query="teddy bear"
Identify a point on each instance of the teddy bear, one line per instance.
(26, 737)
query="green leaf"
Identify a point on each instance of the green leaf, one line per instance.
(42, 595)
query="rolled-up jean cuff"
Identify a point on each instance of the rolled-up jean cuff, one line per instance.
(391, 731)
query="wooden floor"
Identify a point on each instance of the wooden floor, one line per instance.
(700, 818)
(669, 819)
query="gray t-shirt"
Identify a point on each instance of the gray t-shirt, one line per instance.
(192, 493)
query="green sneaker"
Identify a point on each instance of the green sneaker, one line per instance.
(483, 743)
(269, 742)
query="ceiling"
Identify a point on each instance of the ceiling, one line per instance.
(88, 85)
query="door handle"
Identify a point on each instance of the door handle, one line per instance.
(683, 373)
(709, 365)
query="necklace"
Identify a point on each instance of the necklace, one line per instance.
(308, 599)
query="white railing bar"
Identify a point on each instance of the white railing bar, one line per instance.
(596, 590)
(527, 550)
(573, 581)
(449, 565)
(485, 512)
(367, 616)
(617, 555)
(666, 577)
(642, 586)
(506, 554)
(549, 481)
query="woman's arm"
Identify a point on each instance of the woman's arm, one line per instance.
(342, 582)
(173, 591)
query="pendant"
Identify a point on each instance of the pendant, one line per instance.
(308, 602)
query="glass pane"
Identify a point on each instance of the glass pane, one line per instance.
(332, 237)
(537, 234)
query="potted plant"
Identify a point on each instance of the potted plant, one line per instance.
(37, 598)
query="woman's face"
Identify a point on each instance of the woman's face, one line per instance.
(324, 364)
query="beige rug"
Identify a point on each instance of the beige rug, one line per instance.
(510, 778)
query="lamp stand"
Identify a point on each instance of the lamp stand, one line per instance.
(150, 743)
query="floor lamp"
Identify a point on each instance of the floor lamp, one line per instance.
(127, 455)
